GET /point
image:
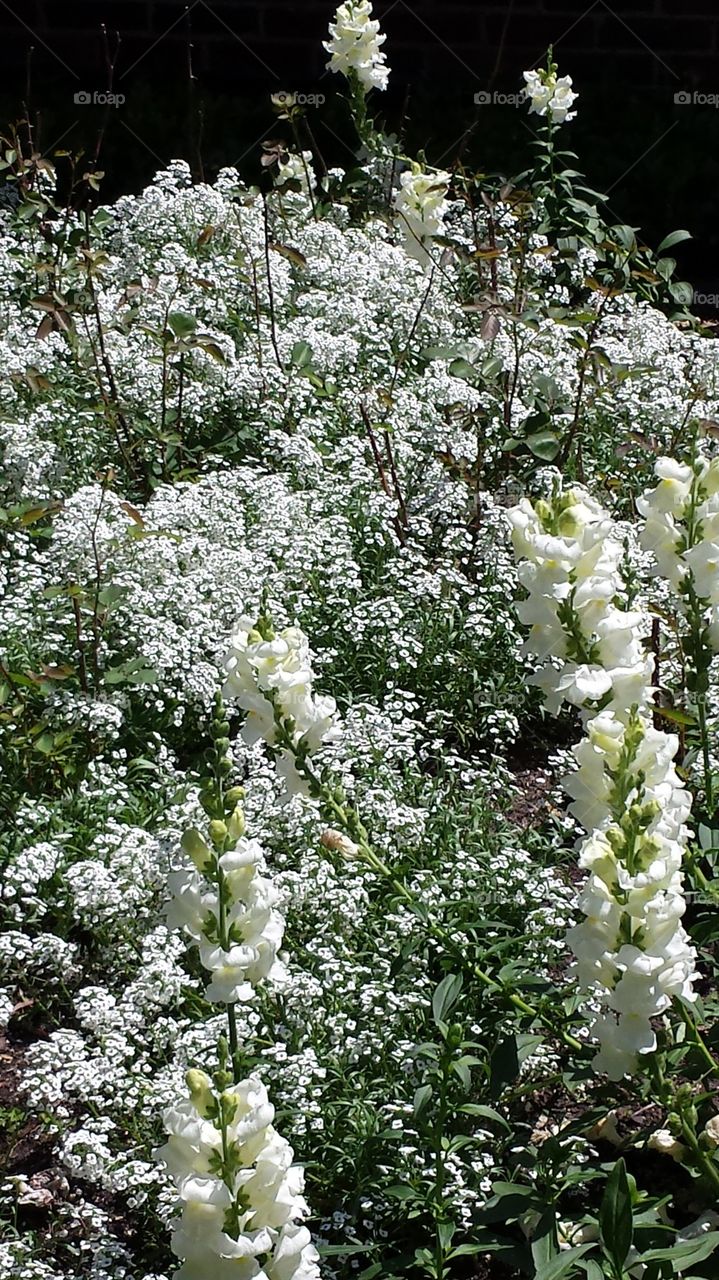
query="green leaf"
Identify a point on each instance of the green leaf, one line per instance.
(110, 594)
(371, 1271)
(181, 324)
(615, 1216)
(341, 1250)
(400, 1192)
(301, 354)
(503, 1066)
(446, 996)
(101, 219)
(543, 1240)
(674, 237)
(625, 236)
(682, 292)
(421, 1098)
(463, 369)
(675, 716)
(708, 837)
(685, 1252)
(486, 1113)
(212, 349)
(508, 1202)
(592, 1270)
(544, 445)
(561, 1264)
(145, 675)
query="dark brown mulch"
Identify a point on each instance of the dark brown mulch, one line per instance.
(23, 1147)
(532, 804)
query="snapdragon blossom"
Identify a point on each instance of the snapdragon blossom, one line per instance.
(229, 910)
(355, 45)
(421, 203)
(549, 95)
(570, 563)
(297, 168)
(631, 947)
(241, 1194)
(681, 530)
(270, 676)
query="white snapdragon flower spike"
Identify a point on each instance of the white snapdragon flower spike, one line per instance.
(253, 922)
(270, 676)
(421, 203)
(630, 948)
(549, 95)
(355, 44)
(570, 566)
(681, 530)
(239, 1191)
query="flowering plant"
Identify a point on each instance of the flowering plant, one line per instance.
(549, 95)
(421, 204)
(355, 45)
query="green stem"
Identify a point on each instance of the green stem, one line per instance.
(440, 1172)
(698, 1039)
(704, 1162)
(703, 730)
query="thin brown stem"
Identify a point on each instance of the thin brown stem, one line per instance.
(80, 646)
(110, 61)
(270, 290)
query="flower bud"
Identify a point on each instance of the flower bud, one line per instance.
(233, 796)
(218, 831)
(710, 1134)
(237, 826)
(339, 843)
(196, 849)
(229, 1105)
(543, 510)
(200, 1086)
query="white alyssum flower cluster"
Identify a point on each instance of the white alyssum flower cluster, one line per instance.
(570, 564)
(421, 203)
(630, 948)
(270, 676)
(355, 44)
(550, 95)
(241, 1194)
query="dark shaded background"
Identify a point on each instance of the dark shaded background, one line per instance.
(196, 79)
